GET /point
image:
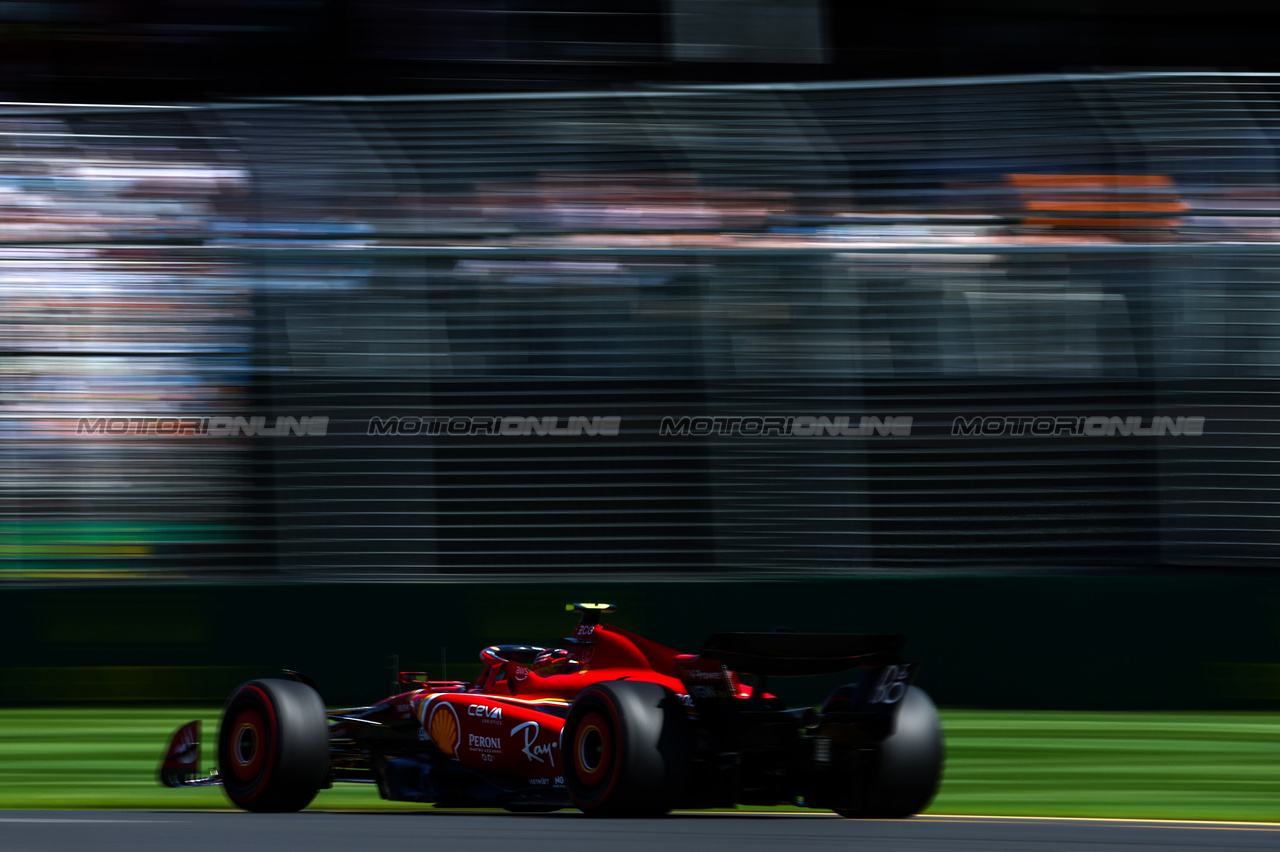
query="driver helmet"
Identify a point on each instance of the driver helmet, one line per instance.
(552, 661)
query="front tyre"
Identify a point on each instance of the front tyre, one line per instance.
(626, 749)
(908, 764)
(273, 746)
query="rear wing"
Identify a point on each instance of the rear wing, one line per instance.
(795, 654)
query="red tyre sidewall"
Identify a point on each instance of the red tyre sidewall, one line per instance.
(593, 724)
(600, 782)
(258, 712)
(248, 721)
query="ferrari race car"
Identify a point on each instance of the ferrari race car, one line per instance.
(613, 724)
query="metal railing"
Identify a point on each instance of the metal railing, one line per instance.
(988, 324)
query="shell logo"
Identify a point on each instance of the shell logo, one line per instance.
(444, 729)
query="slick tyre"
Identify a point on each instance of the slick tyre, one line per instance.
(626, 749)
(273, 746)
(907, 768)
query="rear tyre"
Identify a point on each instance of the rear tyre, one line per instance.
(908, 764)
(273, 746)
(626, 749)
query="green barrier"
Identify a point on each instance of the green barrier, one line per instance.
(1064, 642)
(102, 684)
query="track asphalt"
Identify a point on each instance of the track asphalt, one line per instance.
(316, 831)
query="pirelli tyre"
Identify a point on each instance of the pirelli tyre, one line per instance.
(626, 749)
(273, 746)
(907, 767)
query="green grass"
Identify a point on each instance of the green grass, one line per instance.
(1215, 766)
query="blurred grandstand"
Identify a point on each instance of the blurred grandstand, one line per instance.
(1063, 247)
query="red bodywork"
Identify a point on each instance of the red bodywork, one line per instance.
(509, 721)
(612, 724)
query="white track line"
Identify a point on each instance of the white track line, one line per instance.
(1206, 823)
(71, 819)
(1169, 823)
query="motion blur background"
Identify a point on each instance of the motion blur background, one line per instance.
(386, 212)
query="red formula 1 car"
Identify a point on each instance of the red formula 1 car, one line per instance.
(613, 724)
